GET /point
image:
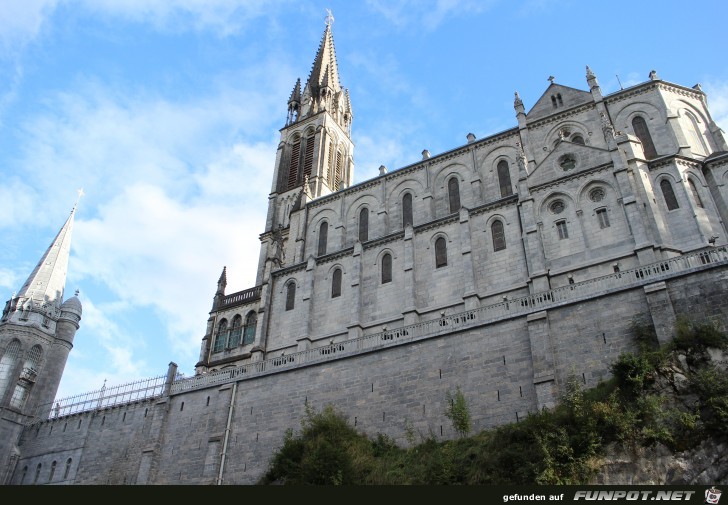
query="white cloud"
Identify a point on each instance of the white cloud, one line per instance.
(717, 93)
(20, 22)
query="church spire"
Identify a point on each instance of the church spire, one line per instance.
(323, 91)
(48, 279)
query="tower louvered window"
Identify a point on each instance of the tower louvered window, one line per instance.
(669, 194)
(407, 210)
(331, 169)
(293, 169)
(308, 157)
(640, 129)
(337, 172)
(364, 225)
(251, 320)
(504, 179)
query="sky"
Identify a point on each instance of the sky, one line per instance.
(167, 114)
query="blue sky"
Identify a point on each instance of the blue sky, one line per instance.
(167, 115)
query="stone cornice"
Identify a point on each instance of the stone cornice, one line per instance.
(503, 202)
(578, 175)
(577, 109)
(383, 240)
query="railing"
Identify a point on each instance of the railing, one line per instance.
(506, 309)
(247, 295)
(105, 397)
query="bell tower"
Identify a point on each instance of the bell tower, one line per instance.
(315, 153)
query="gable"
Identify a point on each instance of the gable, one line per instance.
(567, 158)
(563, 97)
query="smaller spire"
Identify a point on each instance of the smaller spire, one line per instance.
(517, 100)
(296, 93)
(222, 282)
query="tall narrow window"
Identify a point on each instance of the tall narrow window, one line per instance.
(698, 145)
(407, 210)
(336, 283)
(499, 236)
(53, 471)
(308, 156)
(37, 473)
(235, 331)
(293, 167)
(386, 268)
(640, 129)
(290, 295)
(603, 218)
(562, 230)
(7, 365)
(338, 171)
(323, 237)
(364, 225)
(453, 192)
(694, 191)
(251, 320)
(440, 252)
(504, 179)
(221, 336)
(668, 194)
(68, 468)
(331, 165)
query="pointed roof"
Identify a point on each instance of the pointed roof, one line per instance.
(48, 280)
(296, 93)
(569, 97)
(324, 69)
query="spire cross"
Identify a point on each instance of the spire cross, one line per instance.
(551, 79)
(329, 18)
(80, 194)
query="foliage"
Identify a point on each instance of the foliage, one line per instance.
(562, 445)
(458, 412)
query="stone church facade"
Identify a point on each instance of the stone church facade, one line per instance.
(503, 266)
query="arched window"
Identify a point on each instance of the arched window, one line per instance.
(293, 165)
(308, 156)
(696, 195)
(290, 296)
(323, 237)
(7, 365)
(68, 468)
(640, 129)
(364, 225)
(578, 139)
(25, 472)
(336, 283)
(407, 210)
(235, 331)
(499, 236)
(453, 192)
(504, 179)
(251, 320)
(386, 268)
(668, 194)
(221, 336)
(440, 252)
(53, 471)
(697, 141)
(37, 473)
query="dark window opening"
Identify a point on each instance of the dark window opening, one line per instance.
(440, 252)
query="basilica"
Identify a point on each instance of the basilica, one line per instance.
(503, 267)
